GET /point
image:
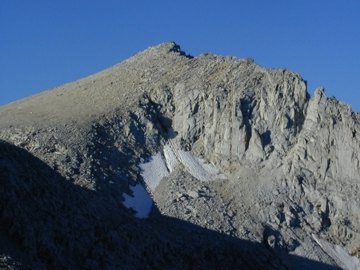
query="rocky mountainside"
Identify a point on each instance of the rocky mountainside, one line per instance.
(168, 161)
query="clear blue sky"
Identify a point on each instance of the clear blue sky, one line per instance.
(45, 43)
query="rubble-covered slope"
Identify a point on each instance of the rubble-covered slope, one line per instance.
(237, 154)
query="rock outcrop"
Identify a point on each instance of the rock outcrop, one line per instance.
(244, 168)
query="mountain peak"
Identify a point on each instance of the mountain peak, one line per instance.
(161, 50)
(237, 154)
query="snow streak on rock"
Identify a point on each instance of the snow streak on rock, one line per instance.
(161, 166)
(338, 254)
(197, 167)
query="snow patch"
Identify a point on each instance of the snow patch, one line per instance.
(153, 171)
(170, 157)
(141, 201)
(339, 254)
(198, 167)
(161, 165)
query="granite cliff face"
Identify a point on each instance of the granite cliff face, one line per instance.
(241, 167)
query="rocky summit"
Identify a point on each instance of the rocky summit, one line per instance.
(168, 161)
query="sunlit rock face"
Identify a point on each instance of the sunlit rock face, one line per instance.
(210, 162)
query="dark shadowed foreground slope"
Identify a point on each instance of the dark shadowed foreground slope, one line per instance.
(243, 169)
